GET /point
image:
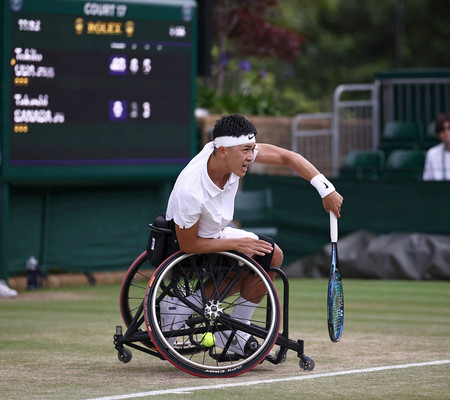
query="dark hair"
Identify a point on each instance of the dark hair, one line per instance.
(441, 118)
(233, 125)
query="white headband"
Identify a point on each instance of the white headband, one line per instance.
(230, 141)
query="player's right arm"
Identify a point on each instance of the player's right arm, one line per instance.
(190, 242)
(274, 155)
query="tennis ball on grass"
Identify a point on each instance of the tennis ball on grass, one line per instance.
(208, 339)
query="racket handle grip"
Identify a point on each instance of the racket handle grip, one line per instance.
(333, 228)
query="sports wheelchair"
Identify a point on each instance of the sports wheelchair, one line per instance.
(145, 293)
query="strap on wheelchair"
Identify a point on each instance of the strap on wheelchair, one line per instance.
(266, 260)
(158, 229)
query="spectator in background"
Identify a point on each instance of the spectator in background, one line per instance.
(437, 162)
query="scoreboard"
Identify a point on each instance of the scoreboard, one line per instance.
(100, 90)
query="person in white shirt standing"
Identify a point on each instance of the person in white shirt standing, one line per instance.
(202, 206)
(437, 161)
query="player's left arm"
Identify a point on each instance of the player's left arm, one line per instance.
(274, 155)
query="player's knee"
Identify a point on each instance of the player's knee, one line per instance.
(277, 259)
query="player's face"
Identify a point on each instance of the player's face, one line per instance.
(240, 157)
(444, 135)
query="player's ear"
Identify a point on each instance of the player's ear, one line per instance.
(221, 152)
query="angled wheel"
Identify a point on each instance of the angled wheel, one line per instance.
(191, 294)
(132, 292)
(307, 363)
(125, 355)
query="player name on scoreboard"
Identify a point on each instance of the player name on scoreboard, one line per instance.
(30, 108)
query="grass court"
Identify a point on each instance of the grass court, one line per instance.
(57, 344)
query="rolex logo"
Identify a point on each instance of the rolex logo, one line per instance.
(129, 28)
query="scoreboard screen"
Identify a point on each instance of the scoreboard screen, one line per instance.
(97, 90)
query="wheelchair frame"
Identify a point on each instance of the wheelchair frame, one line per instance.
(154, 341)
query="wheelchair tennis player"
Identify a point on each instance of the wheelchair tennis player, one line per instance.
(202, 204)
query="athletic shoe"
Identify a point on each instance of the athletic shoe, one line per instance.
(173, 314)
(242, 343)
(6, 291)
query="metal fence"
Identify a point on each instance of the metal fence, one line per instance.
(360, 112)
(312, 136)
(325, 138)
(408, 99)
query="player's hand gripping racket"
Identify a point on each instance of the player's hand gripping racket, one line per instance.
(335, 303)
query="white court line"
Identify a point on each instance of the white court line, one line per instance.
(287, 379)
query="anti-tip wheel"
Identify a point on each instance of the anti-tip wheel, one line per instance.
(307, 363)
(124, 355)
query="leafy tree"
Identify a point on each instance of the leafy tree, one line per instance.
(260, 69)
(348, 41)
(245, 23)
(244, 36)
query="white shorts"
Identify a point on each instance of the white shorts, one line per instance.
(232, 233)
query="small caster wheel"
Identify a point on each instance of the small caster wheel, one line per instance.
(283, 356)
(125, 355)
(307, 363)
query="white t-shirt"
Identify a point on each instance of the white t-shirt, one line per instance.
(195, 197)
(437, 164)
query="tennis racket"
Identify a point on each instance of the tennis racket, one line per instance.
(335, 301)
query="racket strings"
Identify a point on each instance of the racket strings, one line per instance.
(337, 308)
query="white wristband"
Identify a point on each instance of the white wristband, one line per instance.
(322, 185)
